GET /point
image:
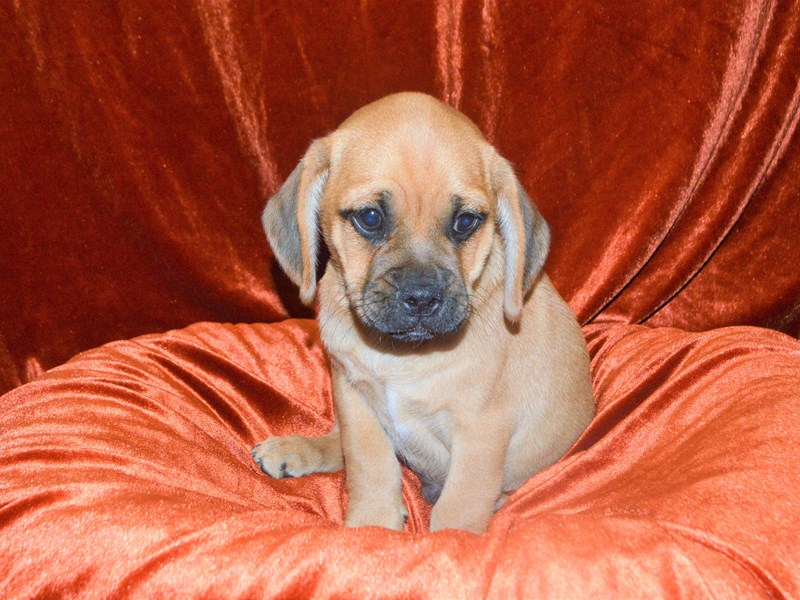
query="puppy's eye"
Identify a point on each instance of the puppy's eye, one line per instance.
(464, 225)
(367, 221)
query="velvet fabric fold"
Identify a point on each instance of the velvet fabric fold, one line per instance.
(127, 472)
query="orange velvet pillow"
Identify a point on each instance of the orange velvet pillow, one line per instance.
(127, 471)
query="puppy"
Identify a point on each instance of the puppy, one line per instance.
(449, 346)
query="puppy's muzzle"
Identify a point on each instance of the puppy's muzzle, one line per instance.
(415, 304)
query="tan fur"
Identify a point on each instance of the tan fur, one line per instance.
(480, 410)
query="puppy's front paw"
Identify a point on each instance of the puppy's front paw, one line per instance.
(391, 516)
(290, 456)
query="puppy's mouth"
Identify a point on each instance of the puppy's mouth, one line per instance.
(413, 335)
(417, 334)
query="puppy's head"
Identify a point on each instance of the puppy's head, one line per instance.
(411, 201)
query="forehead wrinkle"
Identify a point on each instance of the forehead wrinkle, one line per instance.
(436, 172)
(424, 160)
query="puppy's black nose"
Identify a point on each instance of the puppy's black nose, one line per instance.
(420, 300)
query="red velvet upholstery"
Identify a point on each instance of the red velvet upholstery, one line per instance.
(137, 147)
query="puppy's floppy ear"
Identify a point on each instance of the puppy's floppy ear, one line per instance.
(525, 235)
(291, 219)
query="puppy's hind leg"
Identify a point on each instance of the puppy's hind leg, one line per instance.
(294, 456)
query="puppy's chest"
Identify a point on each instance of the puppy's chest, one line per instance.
(415, 418)
(411, 404)
(419, 427)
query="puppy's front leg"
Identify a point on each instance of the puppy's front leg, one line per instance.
(475, 479)
(294, 455)
(372, 470)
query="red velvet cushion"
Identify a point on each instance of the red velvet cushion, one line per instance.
(127, 470)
